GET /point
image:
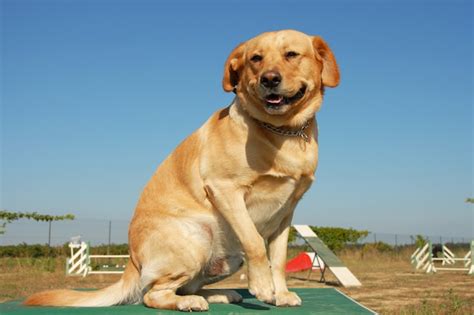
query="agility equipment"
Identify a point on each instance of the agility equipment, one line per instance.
(304, 261)
(79, 263)
(331, 261)
(315, 301)
(422, 259)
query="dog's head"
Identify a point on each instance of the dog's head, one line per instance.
(280, 77)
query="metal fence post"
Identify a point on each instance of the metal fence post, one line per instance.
(110, 233)
(49, 234)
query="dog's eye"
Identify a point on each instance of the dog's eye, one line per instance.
(256, 58)
(291, 54)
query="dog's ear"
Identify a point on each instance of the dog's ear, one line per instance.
(232, 67)
(330, 74)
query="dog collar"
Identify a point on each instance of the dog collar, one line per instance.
(287, 132)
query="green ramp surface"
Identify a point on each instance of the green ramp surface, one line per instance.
(315, 301)
(324, 252)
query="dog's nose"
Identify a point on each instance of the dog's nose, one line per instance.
(270, 79)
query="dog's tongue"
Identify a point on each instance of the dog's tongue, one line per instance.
(274, 99)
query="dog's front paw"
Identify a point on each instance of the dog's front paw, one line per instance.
(287, 299)
(261, 285)
(265, 295)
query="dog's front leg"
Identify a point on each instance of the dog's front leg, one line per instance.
(229, 201)
(278, 244)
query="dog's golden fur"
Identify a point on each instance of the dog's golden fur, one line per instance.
(229, 190)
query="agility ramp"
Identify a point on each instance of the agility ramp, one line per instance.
(331, 261)
(315, 301)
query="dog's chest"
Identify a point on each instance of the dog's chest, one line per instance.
(270, 199)
(275, 192)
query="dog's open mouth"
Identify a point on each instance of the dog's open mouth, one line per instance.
(274, 102)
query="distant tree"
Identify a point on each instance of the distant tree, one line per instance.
(334, 237)
(419, 240)
(293, 235)
(470, 200)
(9, 216)
(337, 238)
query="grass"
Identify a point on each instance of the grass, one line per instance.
(390, 285)
(450, 303)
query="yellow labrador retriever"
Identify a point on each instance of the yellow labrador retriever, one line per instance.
(229, 190)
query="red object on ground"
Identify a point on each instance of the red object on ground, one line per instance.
(299, 263)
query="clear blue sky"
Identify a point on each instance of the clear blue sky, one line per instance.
(95, 94)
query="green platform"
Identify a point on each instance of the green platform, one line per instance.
(315, 301)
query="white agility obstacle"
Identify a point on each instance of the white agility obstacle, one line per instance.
(79, 263)
(448, 256)
(422, 259)
(330, 260)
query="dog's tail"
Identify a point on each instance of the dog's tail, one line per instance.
(126, 291)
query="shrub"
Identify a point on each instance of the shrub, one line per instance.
(378, 246)
(114, 249)
(419, 240)
(36, 251)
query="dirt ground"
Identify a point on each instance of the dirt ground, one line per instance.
(389, 283)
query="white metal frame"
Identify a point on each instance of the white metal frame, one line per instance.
(80, 261)
(422, 259)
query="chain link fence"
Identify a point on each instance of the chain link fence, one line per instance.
(103, 232)
(95, 231)
(405, 239)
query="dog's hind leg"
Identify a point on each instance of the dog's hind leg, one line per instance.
(170, 263)
(164, 279)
